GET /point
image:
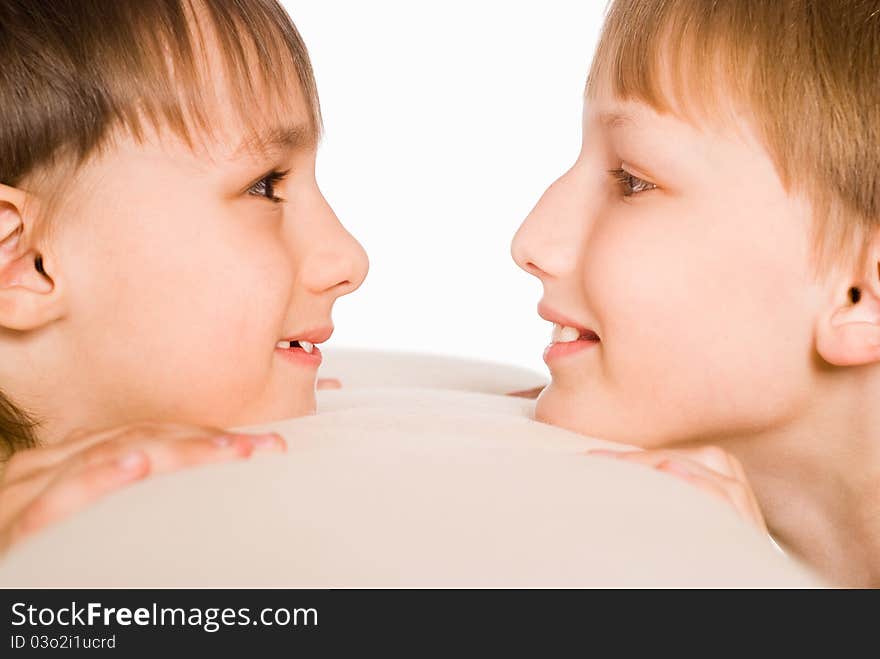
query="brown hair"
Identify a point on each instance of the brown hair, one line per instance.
(75, 71)
(803, 71)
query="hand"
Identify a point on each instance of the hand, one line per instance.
(709, 468)
(43, 485)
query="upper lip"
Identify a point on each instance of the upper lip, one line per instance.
(545, 312)
(316, 335)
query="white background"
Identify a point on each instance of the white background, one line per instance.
(445, 122)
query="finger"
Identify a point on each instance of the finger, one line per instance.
(80, 439)
(684, 473)
(35, 501)
(738, 485)
(15, 496)
(658, 459)
(653, 458)
(20, 465)
(647, 458)
(608, 453)
(740, 472)
(67, 494)
(165, 453)
(102, 444)
(735, 491)
(713, 457)
(172, 455)
(328, 383)
(736, 468)
(732, 492)
(171, 452)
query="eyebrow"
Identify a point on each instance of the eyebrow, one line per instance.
(280, 138)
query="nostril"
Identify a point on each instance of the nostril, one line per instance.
(533, 269)
(344, 287)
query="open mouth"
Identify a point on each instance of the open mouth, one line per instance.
(567, 334)
(304, 351)
(567, 340)
(288, 345)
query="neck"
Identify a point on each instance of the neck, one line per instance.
(818, 481)
(41, 384)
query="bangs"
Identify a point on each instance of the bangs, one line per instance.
(690, 62)
(76, 71)
(168, 82)
(803, 74)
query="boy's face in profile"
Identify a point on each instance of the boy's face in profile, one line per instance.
(182, 272)
(690, 263)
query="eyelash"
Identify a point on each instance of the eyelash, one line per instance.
(268, 183)
(625, 180)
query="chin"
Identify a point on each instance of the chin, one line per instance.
(287, 403)
(558, 408)
(302, 404)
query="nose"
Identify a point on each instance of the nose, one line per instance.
(548, 242)
(336, 264)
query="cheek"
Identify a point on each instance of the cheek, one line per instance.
(229, 303)
(200, 304)
(695, 316)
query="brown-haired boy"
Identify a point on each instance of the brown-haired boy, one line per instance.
(711, 262)
(168, 263)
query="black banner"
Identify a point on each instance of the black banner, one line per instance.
(167, 622)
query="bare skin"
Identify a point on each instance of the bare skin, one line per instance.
(683, 270)
(41, 486)
(149, 319)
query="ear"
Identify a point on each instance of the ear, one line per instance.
(28, 297)
(849, 332)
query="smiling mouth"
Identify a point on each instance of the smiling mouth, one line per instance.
(567, 340)
(567, 334)
(305, 345)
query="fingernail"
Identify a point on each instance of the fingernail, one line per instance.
(130, 461)
(222, 441)
(270, 440)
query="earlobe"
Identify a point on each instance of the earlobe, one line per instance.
(28, 298)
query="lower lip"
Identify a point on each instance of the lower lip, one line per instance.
(560, 350)
(301, 357)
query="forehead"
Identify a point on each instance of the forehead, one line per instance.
(669, 110)
(671, 72)
(280, 120)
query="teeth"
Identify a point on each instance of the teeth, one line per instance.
(305, 345)
(563, 334)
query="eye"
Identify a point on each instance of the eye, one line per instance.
(265, 187)
(629, 184)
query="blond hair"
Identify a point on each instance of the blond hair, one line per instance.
(805, 72)
(74, 72)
